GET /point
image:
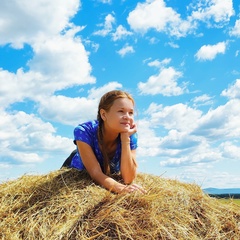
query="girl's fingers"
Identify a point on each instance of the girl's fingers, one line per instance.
(134, 188)
(139, 188)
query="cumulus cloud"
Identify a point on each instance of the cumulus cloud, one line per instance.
(209, 52)
(159, 64)
(120, 33)
(179, 146)
(203, 153)
(25, 21)
(125, 50)
(202, 100)
(106, 1)
(179, 116)
(70, 111)
(235, 31)
(149, 142)
(220, 123)
(107, 26)
(233, 90)
(217, 10)
(96, 93)
(156, 15)
(230, 150)
(164, 83)
(26, 138)
(191, 136)
(67, 62)
(53, 67)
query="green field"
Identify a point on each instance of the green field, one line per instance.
(227, 201)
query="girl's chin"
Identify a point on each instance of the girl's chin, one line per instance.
(124, 131)
(125, 128)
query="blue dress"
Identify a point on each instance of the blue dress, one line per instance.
(87, 132)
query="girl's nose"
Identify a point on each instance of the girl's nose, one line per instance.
(127, 116)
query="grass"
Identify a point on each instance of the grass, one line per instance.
(66, 204)
(230, 201)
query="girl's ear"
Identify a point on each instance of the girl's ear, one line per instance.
(103, 114)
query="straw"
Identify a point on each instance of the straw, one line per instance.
(67, 204)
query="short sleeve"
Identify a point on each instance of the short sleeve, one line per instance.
(133, 141)
(84, 132)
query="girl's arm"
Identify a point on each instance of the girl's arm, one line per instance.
(128, 157)
(94, 169)
(128, 162)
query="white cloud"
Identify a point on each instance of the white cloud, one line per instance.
(153, 14)
(9, 91)
(184, 136)
(59, 61)
(107, 26)
(198, 156)
(65, 63)
(179, 116)
(236, 29)
(218, 10)
(173, 45)
(153, 40)
(120, 33)
(106, 1)
(184, 149)
(220, 123)
(209, 52)
(222, 179)
(53, 67)
(178, 143)
(96, 93)
(159, 64)
(25, 21)
(149, 142)
(202, 100)
(26, 138)
(164, 83)
(125, 50)
(70, 111)
(230, 150)
(210, 175)
(233, 91)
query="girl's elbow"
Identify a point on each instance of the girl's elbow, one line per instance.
(128, 182)
(129, 179)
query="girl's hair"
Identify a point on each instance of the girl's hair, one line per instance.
(105, 103)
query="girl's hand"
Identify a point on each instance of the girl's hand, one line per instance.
(133, 188)
(125, 135)
(133, 129)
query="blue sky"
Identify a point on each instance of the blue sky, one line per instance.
(180, 61)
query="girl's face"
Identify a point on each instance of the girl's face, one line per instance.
(120, 117)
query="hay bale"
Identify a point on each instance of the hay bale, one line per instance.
(66, 204)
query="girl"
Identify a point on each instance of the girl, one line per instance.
(108, 145)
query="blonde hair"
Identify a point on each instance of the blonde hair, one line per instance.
(106, 103)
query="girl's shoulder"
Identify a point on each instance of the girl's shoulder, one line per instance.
(90, 126)
(86, 132)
